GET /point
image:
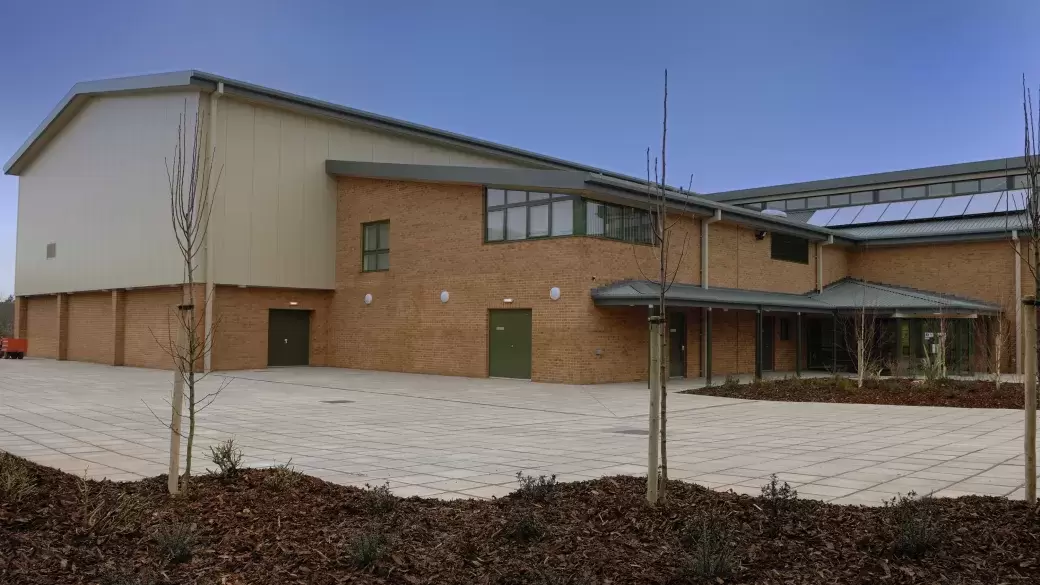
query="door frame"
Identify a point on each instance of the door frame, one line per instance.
(310, 317)
(487, 333)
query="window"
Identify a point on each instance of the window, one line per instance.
(776, 205)
(1020, 182)
(521, 215)
(795, 204)
(940, 189)
(789, 248)
(994, 184)
(375, 246)
(837, 200)
(861, 197)
(617, 222)
(563, 217)
(785, 329)
(889, 195)
(817, 202)
(961, 187)
(915, 192)
(754, 205)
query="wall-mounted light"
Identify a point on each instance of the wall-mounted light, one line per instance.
(554, 293)
(507, 300)
(368, 299)
(444, 296)
(293, 303)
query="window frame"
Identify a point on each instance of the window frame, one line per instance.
(773, 238)
(375, 251)
(578, 216)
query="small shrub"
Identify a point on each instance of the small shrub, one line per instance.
(283, 477)
(99, 516)
(16, 479)
(379, 498)
(732, 382)
(227, 457)
(367, 549)
(712, 555)
(526, 528)
(778, 501)
(539, 488)
(843, 383)
(914, 531)
(176, 541)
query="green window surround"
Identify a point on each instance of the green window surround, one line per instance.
(512, 215)
(375, 246)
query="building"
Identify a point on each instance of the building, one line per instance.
(343, 238)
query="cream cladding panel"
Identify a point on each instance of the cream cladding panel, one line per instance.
(99, 193)
(274, 218)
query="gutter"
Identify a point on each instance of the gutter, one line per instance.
(207, 360)
(707, 221)
(819, 262)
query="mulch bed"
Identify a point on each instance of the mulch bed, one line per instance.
(898, 391)
(249, 531)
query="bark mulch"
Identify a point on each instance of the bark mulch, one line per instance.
(253, 530)
(897, 391)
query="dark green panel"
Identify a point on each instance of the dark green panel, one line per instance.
(677, 345)
(288, 337)
(509, 344)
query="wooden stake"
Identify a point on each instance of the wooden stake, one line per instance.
(177, 401)
(1029, 327)
(654, 447)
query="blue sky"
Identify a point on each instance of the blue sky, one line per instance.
(762, 92)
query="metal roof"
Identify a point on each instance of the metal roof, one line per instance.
(999, 225)
(844, 295)
(642, 292)
(602, 182)
(854, 294)
(874, 179)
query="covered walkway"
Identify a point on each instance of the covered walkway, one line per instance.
(814, 328)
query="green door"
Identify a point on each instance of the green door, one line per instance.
(509, 344)
(288, 337)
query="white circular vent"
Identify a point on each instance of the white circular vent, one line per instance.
(776, 212)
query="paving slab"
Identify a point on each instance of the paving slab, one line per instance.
(442, 436)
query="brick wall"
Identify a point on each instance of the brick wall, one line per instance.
(978, 270)
(90, 332)
(738, 260)
(150, 317)
(407, 328)
(835, 263)
(241, 324)
(42, 326)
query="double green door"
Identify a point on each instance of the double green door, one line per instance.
(509, 344)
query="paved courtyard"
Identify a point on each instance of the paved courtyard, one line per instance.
(458, 437)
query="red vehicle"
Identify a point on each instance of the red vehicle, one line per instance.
(13, 349)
